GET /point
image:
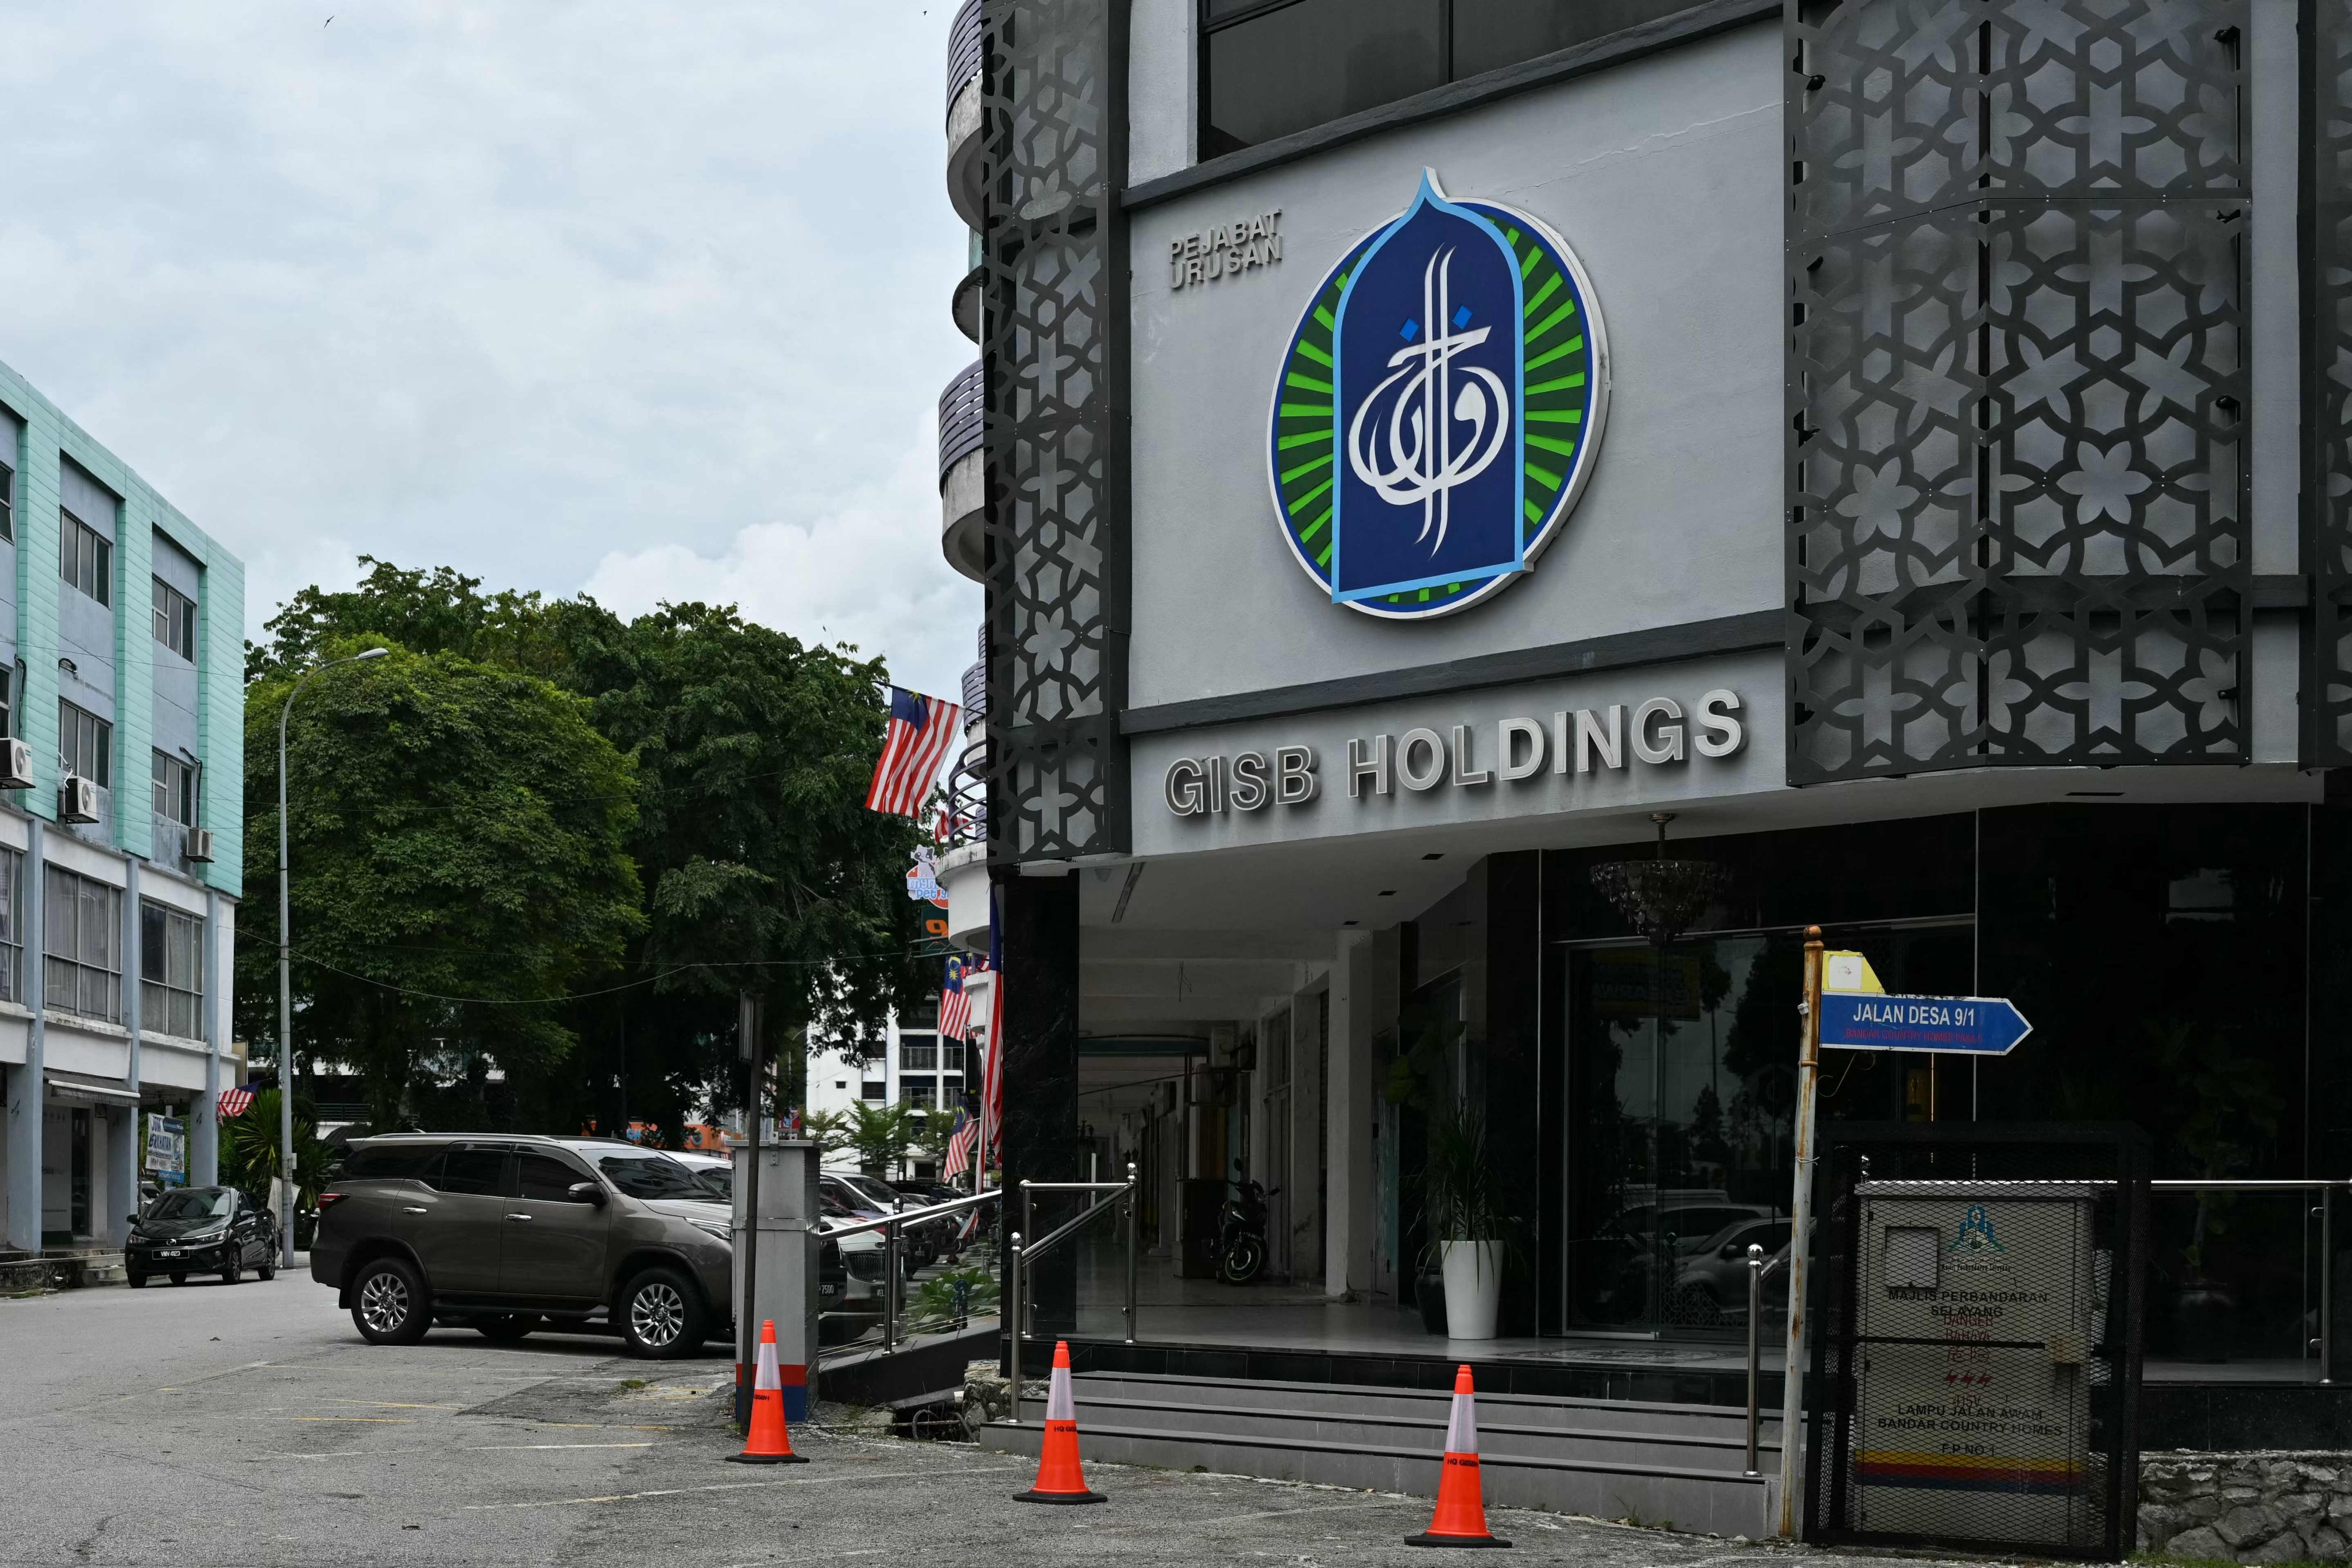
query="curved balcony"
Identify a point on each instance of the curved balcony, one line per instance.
(963, 491)
(967, 53)
(975, 696)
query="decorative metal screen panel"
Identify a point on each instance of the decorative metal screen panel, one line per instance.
(1977, 1359)
(2017, 517)
(2327, 35)
(1053, 345)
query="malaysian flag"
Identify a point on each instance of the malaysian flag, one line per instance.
(991, 1083)
(955, 1000)
(922, 729)
(960, 1144)
(232, 1102)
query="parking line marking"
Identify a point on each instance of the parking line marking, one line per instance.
(718, 1487)
(443, 1448)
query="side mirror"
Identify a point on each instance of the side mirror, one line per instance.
(585, 1192)
(132, 1218)
(1728, 1250)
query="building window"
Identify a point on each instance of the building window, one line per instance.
(85, 740)
(176, 620)
(869, 1089)
(919, 1053)
(171, 972)
(952, 1055)
(85, 557)
(920, 1095)
(8, 504)
(1270, 67)
(81, 941)
(12, 925)
(176, 790)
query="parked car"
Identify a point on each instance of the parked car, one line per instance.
(1711, 1286)
(926, 1239)
(508, 1235)
(201, 1230)
(864, 1205)
(856, 1260)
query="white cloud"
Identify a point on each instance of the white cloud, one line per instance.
(528, 290)
(868, 572)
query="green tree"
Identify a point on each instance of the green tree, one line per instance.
(759, 867)
(250, 1150)
(933, 1127)
(880, 1134)
(459, 835)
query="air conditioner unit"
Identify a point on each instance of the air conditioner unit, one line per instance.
(200, 845)
(78, 800)
(19, 772)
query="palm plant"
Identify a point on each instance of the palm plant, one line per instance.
(1461, 1197)
(880, 1134)
(250, 1157)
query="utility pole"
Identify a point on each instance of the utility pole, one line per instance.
(1800, 1216)
(747, 1044)
(286, 981)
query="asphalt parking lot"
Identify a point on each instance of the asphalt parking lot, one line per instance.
(249, 1424)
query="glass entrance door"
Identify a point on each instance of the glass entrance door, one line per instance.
(1681, 1095)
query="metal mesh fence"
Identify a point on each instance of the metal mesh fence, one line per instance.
(1978, 1303)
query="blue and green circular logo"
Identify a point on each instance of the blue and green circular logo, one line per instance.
(1438, 409)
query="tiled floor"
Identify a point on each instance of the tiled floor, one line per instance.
(1285, 1317)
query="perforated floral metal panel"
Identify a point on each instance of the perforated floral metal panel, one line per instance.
(1052, 336)
(2016, 513)
(2327, 36)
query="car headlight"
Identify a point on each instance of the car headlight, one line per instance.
(713, 1230)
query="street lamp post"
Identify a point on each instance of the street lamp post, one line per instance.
(286, 981)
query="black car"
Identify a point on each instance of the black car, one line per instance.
(201, 1230)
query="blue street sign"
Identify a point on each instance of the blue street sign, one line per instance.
(1976, 1025)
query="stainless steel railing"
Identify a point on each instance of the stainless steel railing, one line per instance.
(893, 1226)
(1018, 1305)
(1754, 1346)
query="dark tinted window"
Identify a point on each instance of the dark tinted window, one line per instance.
(652, 1176)
(1270, 67)
(393, 1163)
(195, 1203)
(545, 1176)
(471, 1170)
(1492, 33)
(1313, 61)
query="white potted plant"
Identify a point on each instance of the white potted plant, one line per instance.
(1469, 1233)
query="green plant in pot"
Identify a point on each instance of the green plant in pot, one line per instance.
(1470, 1233)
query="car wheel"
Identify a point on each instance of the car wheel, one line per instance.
(388, 1305)
(267, 1272)
(661, 1314)
(234, 1273)
(507, 1329)
(135, 1280)
(179, 1277)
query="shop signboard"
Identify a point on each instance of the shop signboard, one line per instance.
(1977, 1309)
(167, 1150)
(1436, 412)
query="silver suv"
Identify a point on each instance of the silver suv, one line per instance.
(506, 1234)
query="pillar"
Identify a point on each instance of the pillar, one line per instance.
(203, 1121)
(1039, 918)
(1348, 1090)
(24, 1082)
(122, 1138)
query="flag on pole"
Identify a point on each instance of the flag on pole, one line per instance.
(955, 999)
(232, 1102)
(959, 1143)
(991, 1092)
(916, 743)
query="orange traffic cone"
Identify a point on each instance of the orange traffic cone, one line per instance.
(1059, 1479)
(768, 1443)
(1460, 1517)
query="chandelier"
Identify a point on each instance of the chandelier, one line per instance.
(1661, 898)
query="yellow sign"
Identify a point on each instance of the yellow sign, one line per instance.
(1850, 973)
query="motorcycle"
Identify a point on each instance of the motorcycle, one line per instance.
(1241, 1234)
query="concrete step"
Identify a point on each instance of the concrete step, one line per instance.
(60, 1269)
(1644, 1452)
(1681, 1466)
(1615, 1414)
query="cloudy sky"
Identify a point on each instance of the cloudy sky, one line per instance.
(649, 299)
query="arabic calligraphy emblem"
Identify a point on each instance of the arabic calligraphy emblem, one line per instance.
(1438, 408)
